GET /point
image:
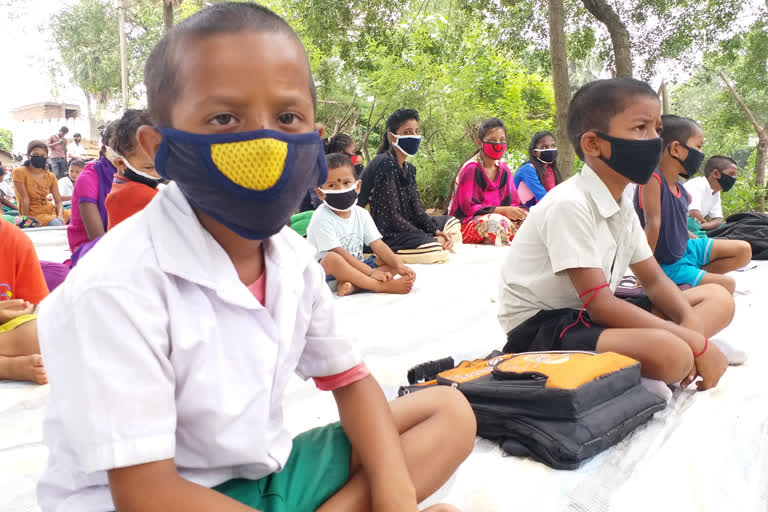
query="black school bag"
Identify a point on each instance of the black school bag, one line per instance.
(560, 408)
(751, 227)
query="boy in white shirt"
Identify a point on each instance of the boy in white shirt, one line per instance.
(169, 394)
(339, 230)
(706, 208)
(76, 150)
(576, 245)
(67, 183)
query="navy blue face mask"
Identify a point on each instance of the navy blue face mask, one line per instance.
(634, 159)
(251, 182)
(408, 144)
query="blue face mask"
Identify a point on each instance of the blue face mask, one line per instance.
(251, 182)
(408, 144)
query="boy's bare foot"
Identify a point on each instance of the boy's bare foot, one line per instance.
(28, 368)
(346, 288)
(400, 285)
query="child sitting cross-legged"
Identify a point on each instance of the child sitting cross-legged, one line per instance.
(339, 229)
(576, 245)
(172, 397)
(662, 205)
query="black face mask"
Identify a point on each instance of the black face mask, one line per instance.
(548, 156)
(726, 181)
(129, 174)
(691, 163)
(634, 159)
(38, 161)
(359, 169)
(341, 200)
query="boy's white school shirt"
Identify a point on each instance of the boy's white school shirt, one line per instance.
(578, 224)
(156, 350)
(703, 198)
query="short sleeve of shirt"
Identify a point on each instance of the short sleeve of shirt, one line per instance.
(568, 231)
(25, 276)
(370, 231)
(65, 186)
(114, 392)
(642, 251)
(321, 232)
(87, 186)
(696, 192)
(328, 350)
(716, 211)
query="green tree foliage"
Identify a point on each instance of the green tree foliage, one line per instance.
(6, 140)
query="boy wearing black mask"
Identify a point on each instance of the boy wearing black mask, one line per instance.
(720, 173)
(576, 245)
(339, 229)
(662, 205)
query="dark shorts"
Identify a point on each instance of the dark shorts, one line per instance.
(543, 331)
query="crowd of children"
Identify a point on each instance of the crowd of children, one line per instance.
(239, 301)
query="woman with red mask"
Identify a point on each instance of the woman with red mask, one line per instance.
(485, 199)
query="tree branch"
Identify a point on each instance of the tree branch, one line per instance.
(743, 105)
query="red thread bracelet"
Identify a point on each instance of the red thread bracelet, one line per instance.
(706, 344)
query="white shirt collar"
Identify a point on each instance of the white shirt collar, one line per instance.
(598, 191)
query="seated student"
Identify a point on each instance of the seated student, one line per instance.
(720, 174)
(389, 185)
(89, 210)
(33, 183)
(339, 143)
(136, 181)
(181, 409)
(574, 249)
(338, 231)
(539, 174)
(6, 194)
(486, 200)
(662, 205)
(67, 183)
(22, 287)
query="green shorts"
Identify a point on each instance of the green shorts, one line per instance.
(317, 468)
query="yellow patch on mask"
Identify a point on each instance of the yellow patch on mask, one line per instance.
(254, 164)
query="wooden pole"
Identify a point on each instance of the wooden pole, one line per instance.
(123, 52)
(664, 98)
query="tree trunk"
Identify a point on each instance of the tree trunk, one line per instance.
(665, 97)
(559, 60)
(168, 14)
(619, 34)
(123, 52)
(762, 149)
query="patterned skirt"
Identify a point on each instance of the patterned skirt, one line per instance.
(492, 229)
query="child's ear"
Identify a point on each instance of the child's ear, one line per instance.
(149, 140)
(592, 145)
(359, 184)
(320, 193)
(677, 149)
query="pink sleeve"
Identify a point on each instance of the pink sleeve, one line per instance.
(342, 379)
(514, 196)
(464, 192)
(87, 186)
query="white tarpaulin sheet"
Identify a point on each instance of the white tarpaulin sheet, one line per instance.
(705, 452)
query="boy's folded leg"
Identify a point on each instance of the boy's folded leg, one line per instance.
(23, 368)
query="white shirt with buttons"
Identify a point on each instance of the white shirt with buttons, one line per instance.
(703, 198)
(156, 350)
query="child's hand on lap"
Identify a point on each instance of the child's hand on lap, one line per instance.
(11, 309)
(381, 276)
(710, 366)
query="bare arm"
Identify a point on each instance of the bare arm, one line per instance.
(22, 197)
(91, 216)
(57, 200)
(712, 224)
(7, 202)
(359, 265)
(651, 198)
(608, 310)
(696, 214)
(369, 425)
(382, 251)
(158, 487)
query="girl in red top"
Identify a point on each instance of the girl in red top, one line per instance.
(136, 181)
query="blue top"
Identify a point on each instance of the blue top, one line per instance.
(527, 174)
(673, 232)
